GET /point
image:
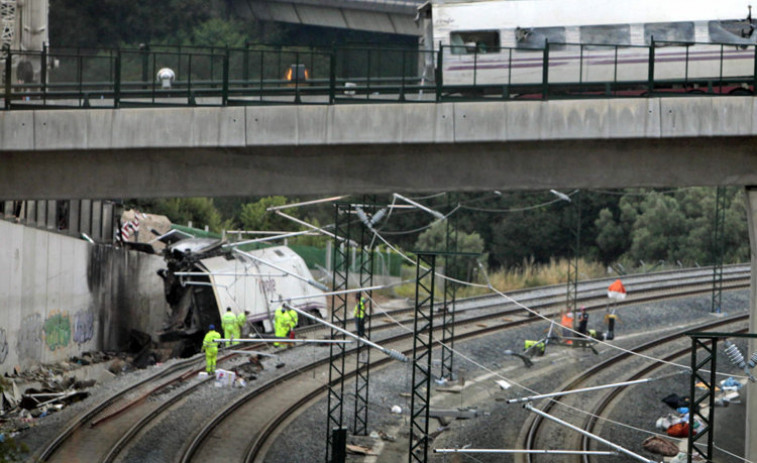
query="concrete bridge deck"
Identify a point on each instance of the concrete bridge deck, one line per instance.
(377, 148)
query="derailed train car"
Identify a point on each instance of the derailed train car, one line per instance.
(203, 278)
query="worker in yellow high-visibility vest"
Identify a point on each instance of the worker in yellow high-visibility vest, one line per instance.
(360, 315)
(229, 322)
(210, 347)
(281, 322)
(242, 322)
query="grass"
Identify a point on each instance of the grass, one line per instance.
(527, 275)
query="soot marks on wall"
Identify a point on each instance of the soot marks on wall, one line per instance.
(57, 331)
(3, 346)
(29, 342)
(84, 326)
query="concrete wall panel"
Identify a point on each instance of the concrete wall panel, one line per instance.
(100, 128)
(732, 115)
(56, 296)
(480, 121)
(218, 127)
(686, 117)
(135, 128)
(16, 130)
(369, 21)
(571, 119)
(63, 129)
(312, 124)
(329, 17)
(273, 125)
(524, 120)
(634, 118)
(283, 12)
(426, 123)
(379, 123)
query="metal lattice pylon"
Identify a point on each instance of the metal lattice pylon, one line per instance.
(572, 289)
(422, 343)
(708, 343)
(718, 246)
(362, 376)
(448, 312)
(335, 405)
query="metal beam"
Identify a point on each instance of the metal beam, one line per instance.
(422, 346)
(334, 424)
(363, 357)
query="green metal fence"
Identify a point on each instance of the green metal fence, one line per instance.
(114, 78)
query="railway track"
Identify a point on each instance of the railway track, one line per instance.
(541, 433)
(246, 414)
(251, 422)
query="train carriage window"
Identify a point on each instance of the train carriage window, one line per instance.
(729, 31)
(536, 36)
(669, 32)
(474, 42)
(619, 34)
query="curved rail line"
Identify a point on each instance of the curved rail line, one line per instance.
(592, 294)
(113, 436)
(268, 418)
(615, 393)
(98, 423)
(536, 424)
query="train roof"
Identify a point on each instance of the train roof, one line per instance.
(501, 14)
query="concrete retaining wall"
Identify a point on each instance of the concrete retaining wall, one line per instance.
(61, 296)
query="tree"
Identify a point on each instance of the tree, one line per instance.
(660, 230)
(435, 239)
(255, 217)
(200, 211)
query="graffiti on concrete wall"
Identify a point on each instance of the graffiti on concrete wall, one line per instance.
(3, 346)
(57, 330)
(84, 326)
(29, 342)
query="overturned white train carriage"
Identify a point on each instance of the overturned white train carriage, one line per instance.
(204, 278)
(502, 42)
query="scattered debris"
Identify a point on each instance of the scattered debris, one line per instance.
(660, 446)
(360, 450)
(225, 378)
(503, 384)
(453, 413)
(386, 437)
(455, 388)
(396, 409)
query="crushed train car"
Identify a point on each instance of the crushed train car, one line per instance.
(203, 277)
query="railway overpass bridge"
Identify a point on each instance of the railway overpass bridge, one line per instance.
(387, 16)
(382, 148)
(377, 148)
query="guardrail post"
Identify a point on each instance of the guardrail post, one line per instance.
(297, 78)
(754, 73)
(117, 81)
(650, 77)
(145, 51)
(8, 72)
(439, 74)
(225, 85)
(332, 76)
(545, 72)
(43, 73)
(246, 64)
(402, 85)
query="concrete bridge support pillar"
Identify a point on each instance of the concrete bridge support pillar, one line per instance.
(750, 452)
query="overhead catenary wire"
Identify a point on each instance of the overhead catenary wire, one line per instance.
(617, 447)
(553, 323)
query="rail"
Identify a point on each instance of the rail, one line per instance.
(259, 75)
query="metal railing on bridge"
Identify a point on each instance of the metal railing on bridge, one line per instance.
(255, 75)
